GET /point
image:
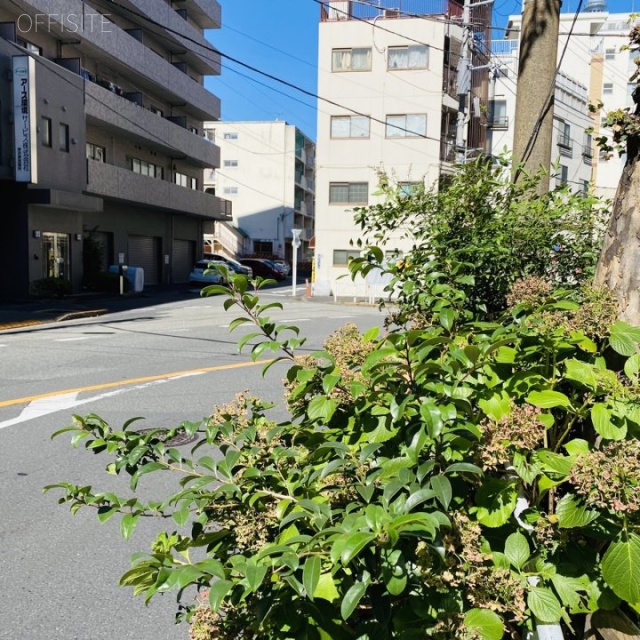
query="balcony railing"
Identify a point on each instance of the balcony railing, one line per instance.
(498, 122)
(347, 10)
(565, 143)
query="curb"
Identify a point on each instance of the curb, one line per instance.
(75, 315)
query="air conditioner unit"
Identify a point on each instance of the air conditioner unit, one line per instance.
(392, 13)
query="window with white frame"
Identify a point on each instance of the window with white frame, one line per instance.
(607, 88)
(230, 163)
(610, 54)
(231, 135)
(342, 257)
(406, 126)
(146, 168)
(184, 180)
(230, 191)
(349, 127)
(356, 59)
(563, 176)
(498, 118)
(348, 193)
(409, 188)
(415, 56)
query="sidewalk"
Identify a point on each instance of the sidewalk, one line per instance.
(14, 315)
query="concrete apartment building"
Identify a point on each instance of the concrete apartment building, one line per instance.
(390, 72)
(101, 135)
(267, 173)
(595, 67)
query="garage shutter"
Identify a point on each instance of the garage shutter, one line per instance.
(184, 257)
(144, 251)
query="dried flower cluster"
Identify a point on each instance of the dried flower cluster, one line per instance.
(519, 431)
(349, 351)
(532, 290)
(597, 313)
(609, 478)
(470, 569)
(207, 625)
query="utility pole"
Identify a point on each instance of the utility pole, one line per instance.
(465, 69)
(533, 127)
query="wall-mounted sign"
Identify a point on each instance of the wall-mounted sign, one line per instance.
(24, 118)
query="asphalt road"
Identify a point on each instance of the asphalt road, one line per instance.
(173, 362)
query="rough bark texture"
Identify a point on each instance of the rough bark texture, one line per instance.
(610, 625)
(619, 264)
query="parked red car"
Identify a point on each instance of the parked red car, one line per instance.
(263, 268)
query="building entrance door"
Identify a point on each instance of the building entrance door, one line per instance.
(55, 249)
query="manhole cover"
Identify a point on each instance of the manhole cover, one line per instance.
(178, 440)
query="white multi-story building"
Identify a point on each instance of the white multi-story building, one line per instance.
(267, 173)
(595, 66)
(388, 82)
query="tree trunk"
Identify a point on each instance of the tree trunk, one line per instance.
(619, 264)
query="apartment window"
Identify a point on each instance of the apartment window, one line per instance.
(610, 54)
(563, 175)
(96, 152)
(194, 130)
(231, 163)
(185, 181)
(406, 126)
(342, 257)
(156, 110)
(45, 133)
(63, 137)
(230, 191)
(409, 188)
(607, 88)
(210, 135)
(564, 139)
(348, 192)
(263, 247)
(410, 57)
(147, 168)
(587, 148)
(351, 59)
(30, 47)
(349, 127)
(230, 136)
(498, 118)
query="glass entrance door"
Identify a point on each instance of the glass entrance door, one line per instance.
(55, 250)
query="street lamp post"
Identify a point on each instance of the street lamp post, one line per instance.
(295, 243)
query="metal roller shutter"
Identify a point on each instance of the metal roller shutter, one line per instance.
(184, 257)
(144, 251)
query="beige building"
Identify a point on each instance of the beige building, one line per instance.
(391, 87)
(267, 173)
(107, 144)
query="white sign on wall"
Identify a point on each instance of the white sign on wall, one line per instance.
(24, 118)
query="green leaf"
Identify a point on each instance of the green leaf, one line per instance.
(355, 544)
(443, 490)
(326, 589)
(601, 418)
(128, 524)
(581, 372)
(572, 513)
(447, 318)
(485, 623)
(624, 338)
(621, 568)
(544, 605)
(321, 408)
(311, 575)
(548, 399)
(418, 498)
(496, 500)
(553, 463)
(517, 549)
(217, 592)
(351, 599)
(632, 367)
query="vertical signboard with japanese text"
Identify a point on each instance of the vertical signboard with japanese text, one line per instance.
(24, 119)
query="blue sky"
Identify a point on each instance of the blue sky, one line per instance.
(280, 37)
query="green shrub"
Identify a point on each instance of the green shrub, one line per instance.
(50, 288)
(466, 479)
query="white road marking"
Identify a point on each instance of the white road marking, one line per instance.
(71, 339)
(53, 404)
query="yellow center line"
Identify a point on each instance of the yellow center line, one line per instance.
(120, 383)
